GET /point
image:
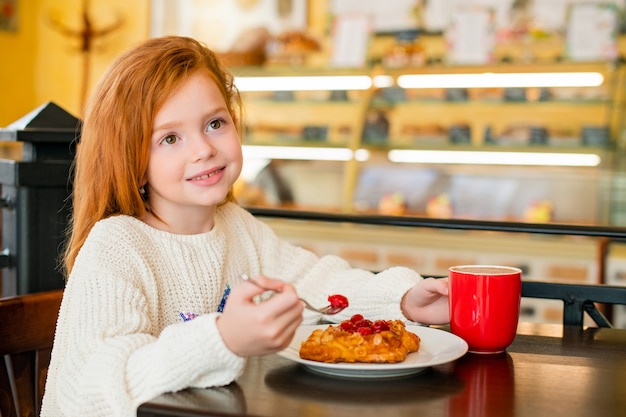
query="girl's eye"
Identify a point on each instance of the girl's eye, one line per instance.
(215, 124)
(170, 139)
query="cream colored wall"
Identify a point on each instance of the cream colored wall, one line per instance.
(47, 66)
(61, 57)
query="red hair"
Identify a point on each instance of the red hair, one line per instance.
(112, 157)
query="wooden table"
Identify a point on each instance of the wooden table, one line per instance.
(549, 370)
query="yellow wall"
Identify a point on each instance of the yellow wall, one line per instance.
(43, 65)
(18, 49)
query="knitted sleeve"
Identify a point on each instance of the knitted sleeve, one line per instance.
(112, 350)
(375, 295)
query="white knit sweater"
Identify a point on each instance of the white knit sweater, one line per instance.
(120, 340)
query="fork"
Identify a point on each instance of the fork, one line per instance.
(328, 310)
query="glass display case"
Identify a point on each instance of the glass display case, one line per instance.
(524, 142)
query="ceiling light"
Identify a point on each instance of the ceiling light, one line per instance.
(304, 83)
(493, 80)
(494, 158)
(303, 153)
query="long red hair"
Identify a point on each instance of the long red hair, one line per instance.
(112, 157)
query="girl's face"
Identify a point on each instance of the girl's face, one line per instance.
(195, 153)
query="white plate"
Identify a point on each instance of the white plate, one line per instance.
(436, 347)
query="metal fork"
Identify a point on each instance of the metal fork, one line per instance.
(328, 310)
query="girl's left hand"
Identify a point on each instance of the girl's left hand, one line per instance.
(427, 302)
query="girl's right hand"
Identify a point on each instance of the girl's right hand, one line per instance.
(248, 328)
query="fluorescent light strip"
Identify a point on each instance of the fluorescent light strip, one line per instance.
(494, 158)
(492, 80)
(303, 153)
(383, 81)
(361, 155)
(364, 82)
(304, 83)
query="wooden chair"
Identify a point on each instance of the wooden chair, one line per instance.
(27, 325)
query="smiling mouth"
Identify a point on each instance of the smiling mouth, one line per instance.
(205, 176)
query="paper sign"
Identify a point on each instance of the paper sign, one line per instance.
(591, 31)
(471, 35)
(351, 34)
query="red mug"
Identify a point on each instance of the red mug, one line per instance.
(484, 305)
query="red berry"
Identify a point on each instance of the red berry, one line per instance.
(363, 323)
(380, 325)
(356, 317)
(338, 301)
(365, 330)
(347, 326)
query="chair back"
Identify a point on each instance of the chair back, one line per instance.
(27, 326)
(578, 299)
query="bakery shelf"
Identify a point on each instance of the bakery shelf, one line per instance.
(568, 121)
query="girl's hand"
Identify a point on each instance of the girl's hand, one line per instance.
(248, 328)
(427, 302)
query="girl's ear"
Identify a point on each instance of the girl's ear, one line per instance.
(143, 183)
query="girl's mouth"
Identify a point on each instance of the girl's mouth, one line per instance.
(205, 176)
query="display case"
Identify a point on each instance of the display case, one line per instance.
(523, 142)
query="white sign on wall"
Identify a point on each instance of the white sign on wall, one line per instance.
(471, 35)
(592, 32)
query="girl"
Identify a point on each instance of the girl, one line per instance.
(155, 232)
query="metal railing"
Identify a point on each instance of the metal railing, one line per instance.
(578, 299)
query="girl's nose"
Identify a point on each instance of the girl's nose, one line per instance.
(202, 147)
